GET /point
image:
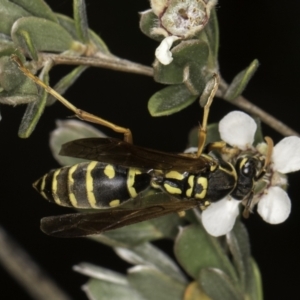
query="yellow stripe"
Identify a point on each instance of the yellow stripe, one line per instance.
(203, 182)
(43, 184)
(191, 183)
(90, 184)
(174, 175)
(54, 187)
(231, 172)
(213, 163)
(172, 190)
(244, 160)
(70, 185)
(114, 203)
(109, 171)
(131, 180)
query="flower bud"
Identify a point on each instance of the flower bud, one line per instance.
(183, 18)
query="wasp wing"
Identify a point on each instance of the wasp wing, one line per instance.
(119, 152)
(85, 224)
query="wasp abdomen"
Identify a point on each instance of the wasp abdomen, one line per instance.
(92, 185)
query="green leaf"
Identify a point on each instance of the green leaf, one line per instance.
(240, 81)
(99, 290)
(148, 21)
(193, 137)
(100, 273)
(213, 135)
(65, 82)
(187, 75)
(210, 34)
(152, 284)
(148, 255)
(106, 284)
(69, 25)
(191, 54)
(259, 136)
(37, 8)
(20, 89)
(35, 34)
(194, 292)
(32, 115)
(6, 44)
(238, 243)
(68, 131)
(80, 18)
(256, 293)
(218, 286)
(35, 109)
(170, 100)
(194, 81)
(9, 13)
(10, 75)
(139, 233)
(16, 97)
(208, 90)
(195, 249)
(130, 235)
(212, 31)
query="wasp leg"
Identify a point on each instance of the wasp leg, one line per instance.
(219, 146)
(270, 144)
(247, 209)
(80, 114)
(222, 149)
(203, 129)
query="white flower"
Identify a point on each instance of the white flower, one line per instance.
(163, 53)
(238, 129)
(220, 216)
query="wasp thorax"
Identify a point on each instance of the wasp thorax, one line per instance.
(221, 181)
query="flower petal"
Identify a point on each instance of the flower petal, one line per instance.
(275, 206)
(286, 155)
(237, 129)
(163, 53)
(219, 218)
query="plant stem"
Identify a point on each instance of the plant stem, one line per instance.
(114, 63)
(99, 60)
(254, 110)
(26, 272)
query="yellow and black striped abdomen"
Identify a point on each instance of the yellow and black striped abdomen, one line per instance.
(92, 185)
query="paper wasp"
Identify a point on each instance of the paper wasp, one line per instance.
(119, 171)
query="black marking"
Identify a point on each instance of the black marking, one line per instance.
(62, 187)
(48, 186)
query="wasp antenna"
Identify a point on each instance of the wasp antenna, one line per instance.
(213, 85)
(80, 114)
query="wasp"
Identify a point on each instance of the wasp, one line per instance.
(119, 171)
